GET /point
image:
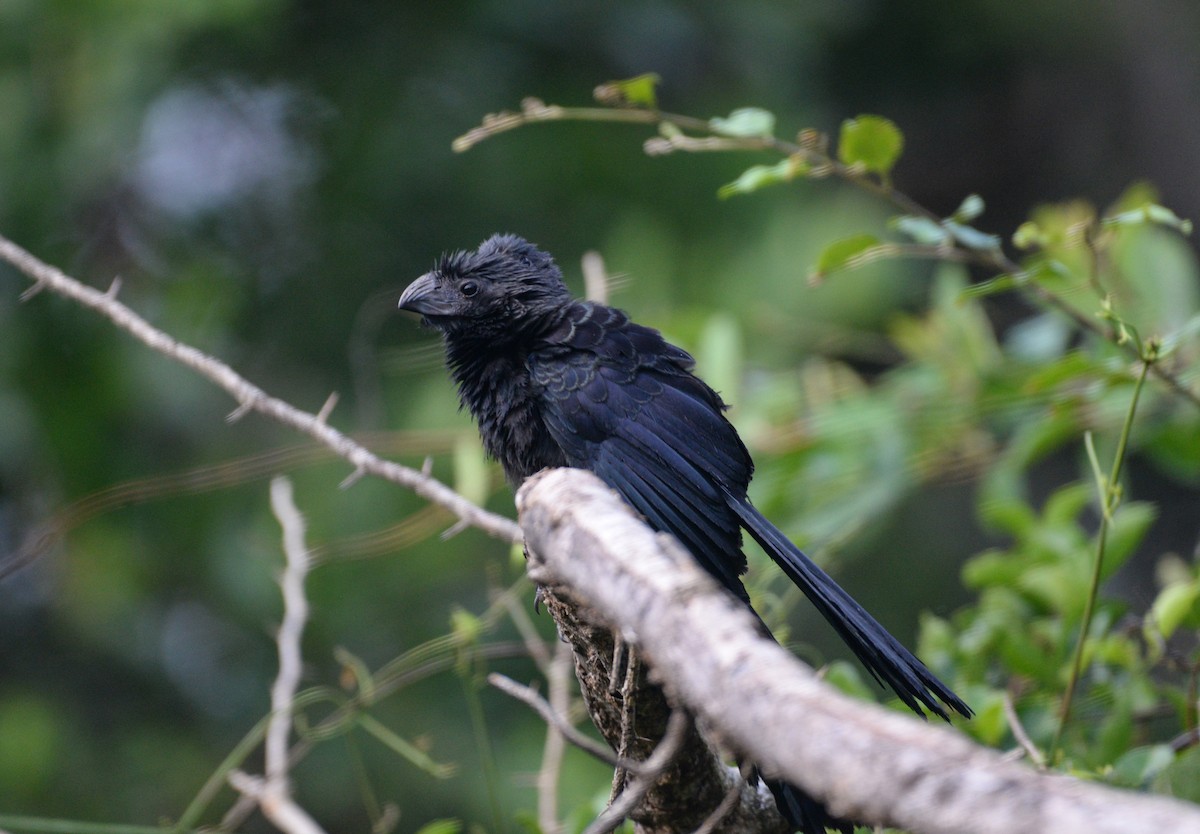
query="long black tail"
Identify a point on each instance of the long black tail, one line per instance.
(879, 651)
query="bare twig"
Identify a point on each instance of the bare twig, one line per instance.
(538, 648)
(277, 807)
(1186, 739)
(252, 398)
(647, 773)
(556, 667)
(273, 793)
(595, 277)
(732, 796)
(558, 695)
(295, 613)
(593, 748)
(1018, 731)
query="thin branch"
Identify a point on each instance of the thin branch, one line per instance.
(1110, 496)
(732, 797)
(430, 658)
(1186, 739)
(278, 808)
(812, 152)
(252, 398)
(538, 648)
(273, 793)
(558, 684)
(593, 748)
(647, 774)
(295, 613)
(1018, 731)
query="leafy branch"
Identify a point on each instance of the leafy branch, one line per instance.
(867, 150)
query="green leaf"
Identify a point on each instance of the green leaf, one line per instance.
(1184, 333)
(971, 207)
(758, 176)
(1141, 765)
(920, 229)
(848, 679)
(840, 254)
(1182, 778)
(1028, 235)
(449, 826)
(992, 286)
(1176, 603)
(1152, 213)
(972, 238)
(641, 91)
(871, 142)
(745, 121)
(466, 626)
(989, 723)
(1129, 526)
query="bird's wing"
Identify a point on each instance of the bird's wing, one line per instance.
(621, 402)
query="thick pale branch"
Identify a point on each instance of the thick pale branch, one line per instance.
(249, 396)
(865, 762)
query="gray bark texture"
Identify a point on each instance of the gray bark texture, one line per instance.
(602, 568)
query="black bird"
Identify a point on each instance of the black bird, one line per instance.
(554, 381)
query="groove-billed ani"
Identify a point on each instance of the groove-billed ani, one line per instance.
(553, 381)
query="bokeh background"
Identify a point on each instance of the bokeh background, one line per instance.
(264, 176)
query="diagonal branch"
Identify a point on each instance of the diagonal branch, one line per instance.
(249, 396)
(863, 761)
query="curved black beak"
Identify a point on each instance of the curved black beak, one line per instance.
(424, 296)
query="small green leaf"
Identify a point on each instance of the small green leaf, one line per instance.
(1152, 213)
(840, 254)
(1182, 778)
(1028, 235)
(441, 827)
(1129, 526)
(872, 142)
(920, 229)
(640, 91)
(971, 207)
(848, 679)
(466, 626)
(992, 286)
(745, 121)
(1176, 603)
(972, 238)
(1141, 765)
(989, 724)
(758, 176)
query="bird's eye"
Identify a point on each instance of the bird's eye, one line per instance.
(469, 288)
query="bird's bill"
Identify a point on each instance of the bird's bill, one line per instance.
(425, 297)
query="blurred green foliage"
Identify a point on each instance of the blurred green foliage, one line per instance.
(264, 176)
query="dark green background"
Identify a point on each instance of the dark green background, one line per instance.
(265, 176)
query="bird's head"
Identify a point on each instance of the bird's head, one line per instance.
(496, 292)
